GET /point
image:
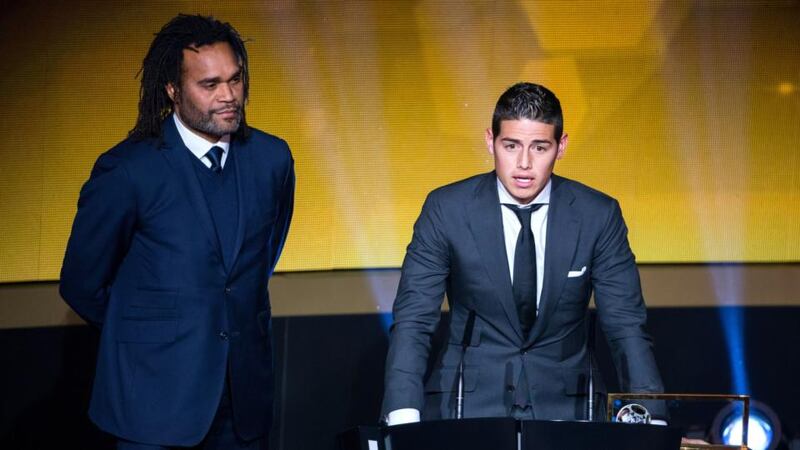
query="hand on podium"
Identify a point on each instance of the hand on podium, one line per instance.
(401, 416)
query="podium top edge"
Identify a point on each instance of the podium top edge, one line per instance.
(679, 396)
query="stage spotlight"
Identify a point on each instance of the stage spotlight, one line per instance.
(763, 430)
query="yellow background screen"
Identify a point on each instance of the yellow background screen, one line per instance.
(687, 112)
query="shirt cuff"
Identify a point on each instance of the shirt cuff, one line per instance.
(401, 416)
(660, 422)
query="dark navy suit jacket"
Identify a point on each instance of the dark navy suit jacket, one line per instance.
(458, 248)
(144, 264)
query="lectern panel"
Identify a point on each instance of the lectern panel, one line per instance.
(551, 435)
(466, 434)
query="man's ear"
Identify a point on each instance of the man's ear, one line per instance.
(171, 91)
(562, 146)
(489, 141)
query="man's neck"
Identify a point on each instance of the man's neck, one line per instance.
(196, 143)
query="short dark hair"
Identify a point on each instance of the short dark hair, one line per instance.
(163, 65)
(528, 101)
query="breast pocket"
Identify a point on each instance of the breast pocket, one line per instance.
(576, 290)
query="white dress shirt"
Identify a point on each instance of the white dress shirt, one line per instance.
(199, 146)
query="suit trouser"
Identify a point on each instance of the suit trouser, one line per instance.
(221, 435)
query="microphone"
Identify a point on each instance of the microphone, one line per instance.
(590, 388)
(464, 344)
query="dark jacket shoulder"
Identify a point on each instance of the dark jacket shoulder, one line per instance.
(463, 189)
(264, 142)
(127, 156)
(584, 194)
(133, 150)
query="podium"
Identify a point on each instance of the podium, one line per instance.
(510, 434)
(548, 435)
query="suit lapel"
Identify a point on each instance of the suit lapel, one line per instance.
(486, 224)
(179, 157)
(563, 231)
(243, 174)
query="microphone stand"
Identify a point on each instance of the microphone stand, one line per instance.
(465, 341)
(590, 387)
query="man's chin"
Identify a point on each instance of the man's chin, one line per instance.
(523, 196)
(228, 126)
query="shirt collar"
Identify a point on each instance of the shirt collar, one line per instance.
(505, 197)
(196, 144)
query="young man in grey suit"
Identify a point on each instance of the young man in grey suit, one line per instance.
(523, 249)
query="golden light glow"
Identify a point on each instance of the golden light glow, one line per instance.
(383, 101)
(786, 88)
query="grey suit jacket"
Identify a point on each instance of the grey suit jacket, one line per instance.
(458, 249)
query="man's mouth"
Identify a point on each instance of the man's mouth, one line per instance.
(229, 112)
(523, 181)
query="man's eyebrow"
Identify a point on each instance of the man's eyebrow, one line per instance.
(219, 79)
(535, 141)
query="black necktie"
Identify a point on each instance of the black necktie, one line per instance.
(215, 156)
(524, 286)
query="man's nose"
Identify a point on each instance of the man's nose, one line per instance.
(225, 92)
(524, 160)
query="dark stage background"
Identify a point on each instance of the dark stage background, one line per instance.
(330, 371)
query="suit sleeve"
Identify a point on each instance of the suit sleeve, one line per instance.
(285, 211)
(621, 309)
(100, 238)
(416, 311)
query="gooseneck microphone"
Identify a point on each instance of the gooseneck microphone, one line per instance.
(464, 344)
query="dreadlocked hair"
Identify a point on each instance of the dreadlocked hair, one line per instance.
(163, 65)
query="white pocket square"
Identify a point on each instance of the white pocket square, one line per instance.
(576, 273)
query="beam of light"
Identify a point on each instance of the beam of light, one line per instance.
(728, 283)
(338, 73)
(708, 114)
(386, 321)
(728, 286)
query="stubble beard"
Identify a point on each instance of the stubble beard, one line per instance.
(204, 122)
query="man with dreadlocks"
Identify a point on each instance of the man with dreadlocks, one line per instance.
(177, 232)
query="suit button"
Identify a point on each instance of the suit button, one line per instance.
(223, 335)
(228, 290)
